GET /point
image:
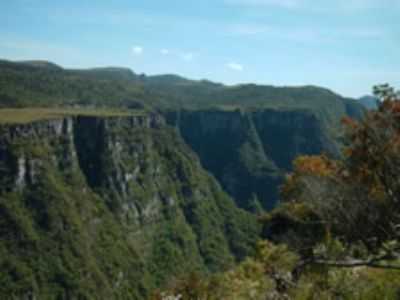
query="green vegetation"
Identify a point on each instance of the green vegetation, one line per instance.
(109, 209)
(30, 85)
(44, 84)
(273, 274)
(110, 205)
(336, 234)
(249, 152)
(28, 115)
(245, 135)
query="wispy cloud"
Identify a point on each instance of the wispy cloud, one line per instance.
(306, 33)
(137, 50)
(187, 56)
(182, 55)
(164, 51)
(235, 66)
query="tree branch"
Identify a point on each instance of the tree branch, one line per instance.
(375, 262)
(355, 263)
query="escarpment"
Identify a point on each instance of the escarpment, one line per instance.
(249, 152)
(109, 207)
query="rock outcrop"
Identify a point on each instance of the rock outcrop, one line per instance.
(249, 152)
(109, 207)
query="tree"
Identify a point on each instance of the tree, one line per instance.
(357, 198)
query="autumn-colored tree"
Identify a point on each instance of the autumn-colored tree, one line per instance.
(357, 198)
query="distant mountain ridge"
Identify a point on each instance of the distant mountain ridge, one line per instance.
(40, 64)
(370, 102)
(245, 135)
(224, 92)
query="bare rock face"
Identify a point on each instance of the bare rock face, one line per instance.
(249, 152)
(20, 145)
(110, 207)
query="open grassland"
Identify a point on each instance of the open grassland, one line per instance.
(28, 115)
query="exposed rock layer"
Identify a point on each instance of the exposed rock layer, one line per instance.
(249, 152)
(109, 207)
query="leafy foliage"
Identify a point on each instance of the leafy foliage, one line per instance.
(337, 228)
(355, 201)
(272, 274)
(65, 233)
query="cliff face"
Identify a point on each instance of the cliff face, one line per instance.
(287, 134)
(249, 152)
(108, 207)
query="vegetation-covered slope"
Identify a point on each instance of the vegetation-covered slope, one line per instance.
(108, 207)
(336, 235)
(27, 84)
(249, 152)
(245, 135)
(41, 83)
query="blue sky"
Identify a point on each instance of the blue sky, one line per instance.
(345, 45)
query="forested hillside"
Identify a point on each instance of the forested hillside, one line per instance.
(103, 192)
(107, 206)
(46, 84)
(336, 233)
(245, 135)
(199, 150)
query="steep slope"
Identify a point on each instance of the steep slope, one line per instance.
(108, 207)
(247, 152)
(250, 152)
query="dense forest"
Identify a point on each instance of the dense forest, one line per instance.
(245, 135)
(199, 150)
(115, 185)
(336, 233)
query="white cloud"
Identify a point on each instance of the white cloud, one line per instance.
(235, 66)
(188, 56)
(164, 51)
(137, 50)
